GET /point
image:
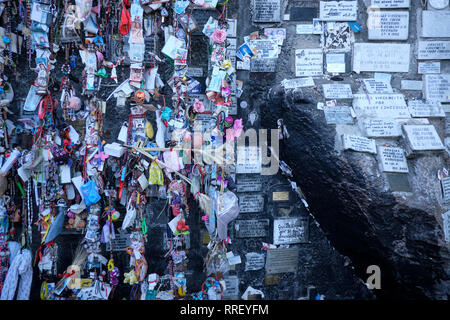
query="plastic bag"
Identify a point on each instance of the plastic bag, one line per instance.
(130, 216)
(90, 193)
(155, 174)
(172, 161)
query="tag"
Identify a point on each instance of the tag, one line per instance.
(45, 154)
(123, 134)
(24, 174)
(173, 223)
(123, 199)
(121, 100)
(64, 174)
(70, 192)
(143, 181)
(73, 135)
(78, 182)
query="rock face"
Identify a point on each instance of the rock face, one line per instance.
(363, 220)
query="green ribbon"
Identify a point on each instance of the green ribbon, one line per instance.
(144, 226)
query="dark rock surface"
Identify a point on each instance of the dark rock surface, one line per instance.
(368, 226)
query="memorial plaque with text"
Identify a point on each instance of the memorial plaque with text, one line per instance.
(358, 143)
(282, 260)
(380, 106)
(390, 3)
(381, 128)
(435, 24)
(377, 86)
(411, 85)
(388, 25)
(433, 50)
(308, 62)
(337, 91)
(120, 243)
(437, 87)
(252, 228)
(338, 10)
(250, 203)
(392, 159)
(423, 109)
(446, 225)
(266, 11)
(249, 183)
(338, 114)
(429, 67)
(254, 261)
(445, 184)
(423, 137)
(298, 83)
(447, 124)
(290, 230)
(232, 288)
(248, 160)
(263, 65)
(382, 57)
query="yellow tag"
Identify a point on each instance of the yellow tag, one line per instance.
(205, 239)
(281, 196)
(81, 283)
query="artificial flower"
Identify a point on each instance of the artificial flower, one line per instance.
(219, 35)
(198, 106)
(226, 64)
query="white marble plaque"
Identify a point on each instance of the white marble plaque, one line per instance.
(248, 159)
(266, 11)
(338, 10)
(414, 85)
(377, 86)
(194, 72)
(254, 261)
(445, 184)
(304, 28)
(388, 25)
(391, 3)
(392, 159)
(263, 65)
(358, 143)
(435, 24)
(282, 260)
(308, 62)
(429, 67)
(381, 57)
(423, 137)
(437, 87)
(251, 203)
(298, 83)
(380, 106)
(431, 50)
(381, 128)
(289, 231)
(446, 225)
(232, 287)
(338, 114)
(337, 91)
(335, 62)
(423, 109)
